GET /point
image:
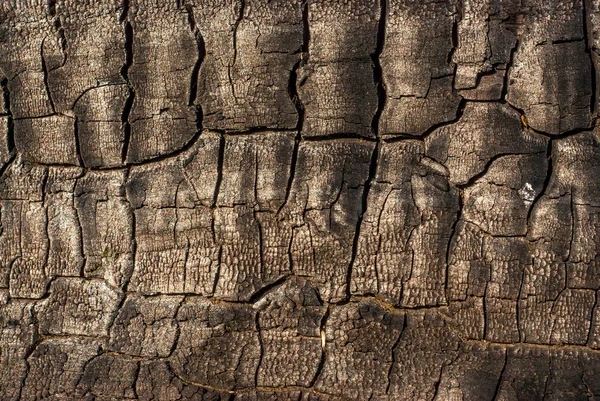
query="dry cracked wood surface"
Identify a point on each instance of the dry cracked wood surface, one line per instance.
(299, 200)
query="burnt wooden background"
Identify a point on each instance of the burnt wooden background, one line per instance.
(299, 200)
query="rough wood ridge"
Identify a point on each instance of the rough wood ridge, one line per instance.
(299, 200)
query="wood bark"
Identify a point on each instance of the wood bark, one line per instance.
(299, 200)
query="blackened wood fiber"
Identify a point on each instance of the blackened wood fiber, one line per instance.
(310, 200)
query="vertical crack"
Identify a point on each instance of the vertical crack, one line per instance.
(454, 44)
(511, 58)
(589, 51)
(289, 251)
(219, 169)
(78, 217)
(242, 7)
(546, 183)
(519, 297)
(115, 313)
(126, 125)
(389, 373)
(10, 129)
(201, 55)
(174, 232)
(570, 252)
(59, 29)
(46, 228)
(30, 350)
(213, 207)
(124, 10)
(305, 30)
(365, 196)
(133, 236)
(497, 390)
(136, 376)
(547, 377)
(255, 215)
(381, 97)
(128, 46)
(451, 240)
(77, 142)
(5, 166)
(441, 376)
(292, 173)
(261, 346)
(177, 328)
(45, 78)
(201, 48)
(218, 262)
(295, 98)
(593, 317)
(484, 303)
(125, 285)
(323, 334)
(377, 71)
(436, 385)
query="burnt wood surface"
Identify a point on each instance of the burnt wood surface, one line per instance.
(299, 200)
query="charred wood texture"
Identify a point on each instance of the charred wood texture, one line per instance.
(309, 200)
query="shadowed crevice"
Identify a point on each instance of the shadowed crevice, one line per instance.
(10, 129)
(401, 137)
(593, 318)
(473, 180)
(30, 350)
(5, 166)
(267, 288)
(454, 38)
(128, 45)
(451, 239)
(124, 10)
(305, 30)
(201, 55)
(338, 136)
(177, 329)
(126, 125)
(365, 197)
(459, 113)
(377, 70)
(45, 73)
(546, 184)
(129, 274)
(497, 389)
(60, 31)
(390, 370)
(218, 263)
(565, 134)
(509, 66)
(295, 98)
(323, 333)
(260, 345)
(220, 161)
(193, 90)
(589, 51)
(77, 142)
(242, 7)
